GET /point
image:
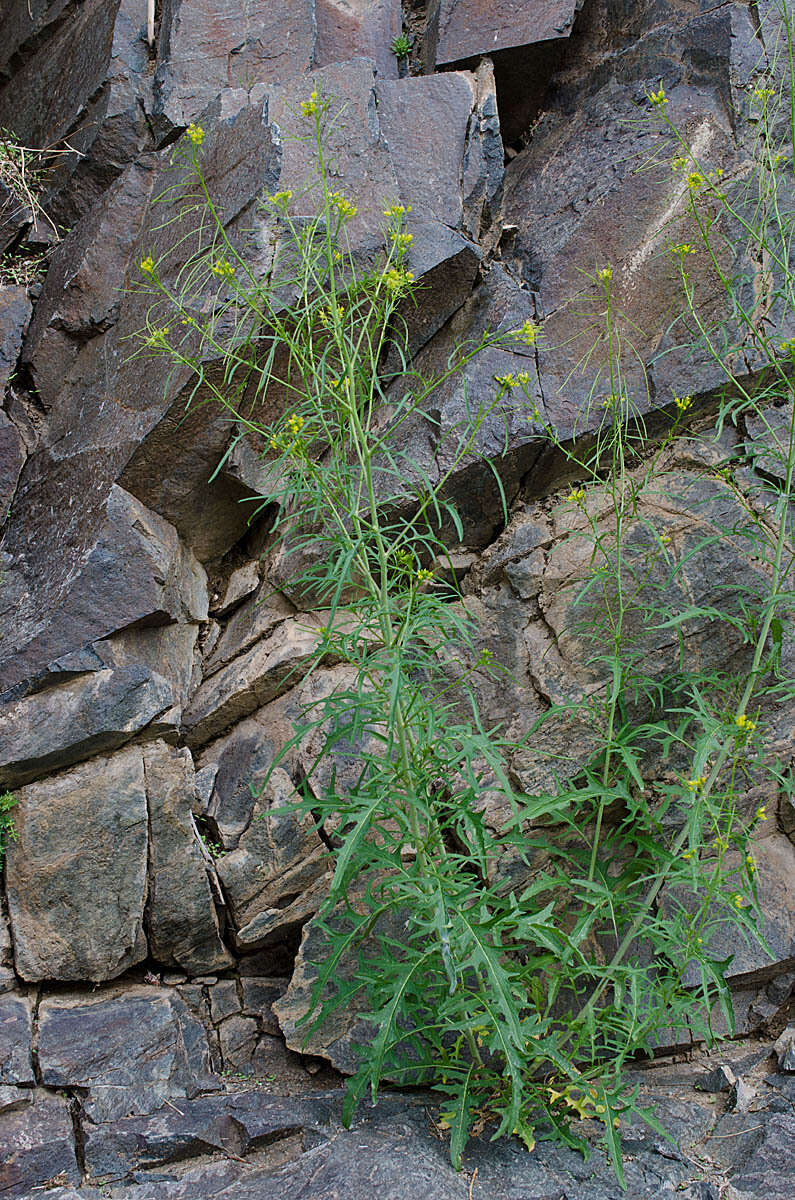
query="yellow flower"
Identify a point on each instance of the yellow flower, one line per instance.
(749, 861)
(682, 248)
(761, 813)
(295, 424)
(312, 105)
(395, 211)
(344, 207)
(340, 310)
(658, 99)
(527, 333)
(281, 199)
(322, 317)
(147, 265)
(604, 274)
(761, 94)
(223, 269)
(695, 180)
(738, 901)
(506, 381)
(196, 134)
(576, 495)
(665, 538)
(697, 784)
(400, 239)
(423, 575)
(683, 403)
(688, 853)
(397, 280)
(679, 163)
(157, 337)
(744, 725)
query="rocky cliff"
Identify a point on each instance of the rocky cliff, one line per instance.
(152, 647)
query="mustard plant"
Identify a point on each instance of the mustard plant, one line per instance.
(519, 997)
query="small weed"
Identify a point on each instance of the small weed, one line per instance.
(7, 831)
(401, 45)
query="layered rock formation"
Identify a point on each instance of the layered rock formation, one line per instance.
(153, 653)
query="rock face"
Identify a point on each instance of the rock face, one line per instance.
(158, 900)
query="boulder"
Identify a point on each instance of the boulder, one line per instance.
(181, 919)
(353, 28)
(37, 1149)
(76, 875)
(468, 28)
(15, 309)
(131, 1048)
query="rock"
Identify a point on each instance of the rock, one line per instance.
(785, 1050)
(224, 1000)
(756, 1150)
(358, 28)
(181, 919)
(12, 460)
(89, 714)
(15, 309)
(76, 875)
(202, 51)
(133, 569)
(275, 663)
(274, 880)
(467, 28)
(253, 620)
(37, 1148)
(168, 651)
(43, 99)
(6, 953)
(241, 583)
(14, 1097)
(741, 1096)
(16, 1022)
(234, 1125)
(719, 1079)
(132, 1048)
(767, 440)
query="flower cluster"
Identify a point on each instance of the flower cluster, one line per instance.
(604, 274)
(157, 338)
(401, 239)
(576, 495)
(683, 403)
(281, 199)
(344, 207)
(196, 134)
(681, 249)
(512, 381)
(148, 265)
(397, 279)
(527, 333)
(695, 785)
(658, 99)
(313, 105)
(762, 94)
(423, 575)
(744, 724)
(396, 211)
(223, 269)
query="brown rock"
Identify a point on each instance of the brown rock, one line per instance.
(473, 27)
(37, 1148)
(208, 47)
(181, 919)
(76, 876)
(357, 28)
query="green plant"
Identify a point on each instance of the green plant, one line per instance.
(518, 995)
(7, 831)
(401, 45)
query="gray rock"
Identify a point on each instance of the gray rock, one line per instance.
(15, 309)
(253, 620)
(274, 664)
(275, 878)
(133, 569)
(87, 715)
(719, 1079)
(12, 459)
(181, 919)
(741, 1096)
(37, 1148)
(16, 1023)
(234, 1125)
(76, 876)
(133, 1048)
(785, 1050)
